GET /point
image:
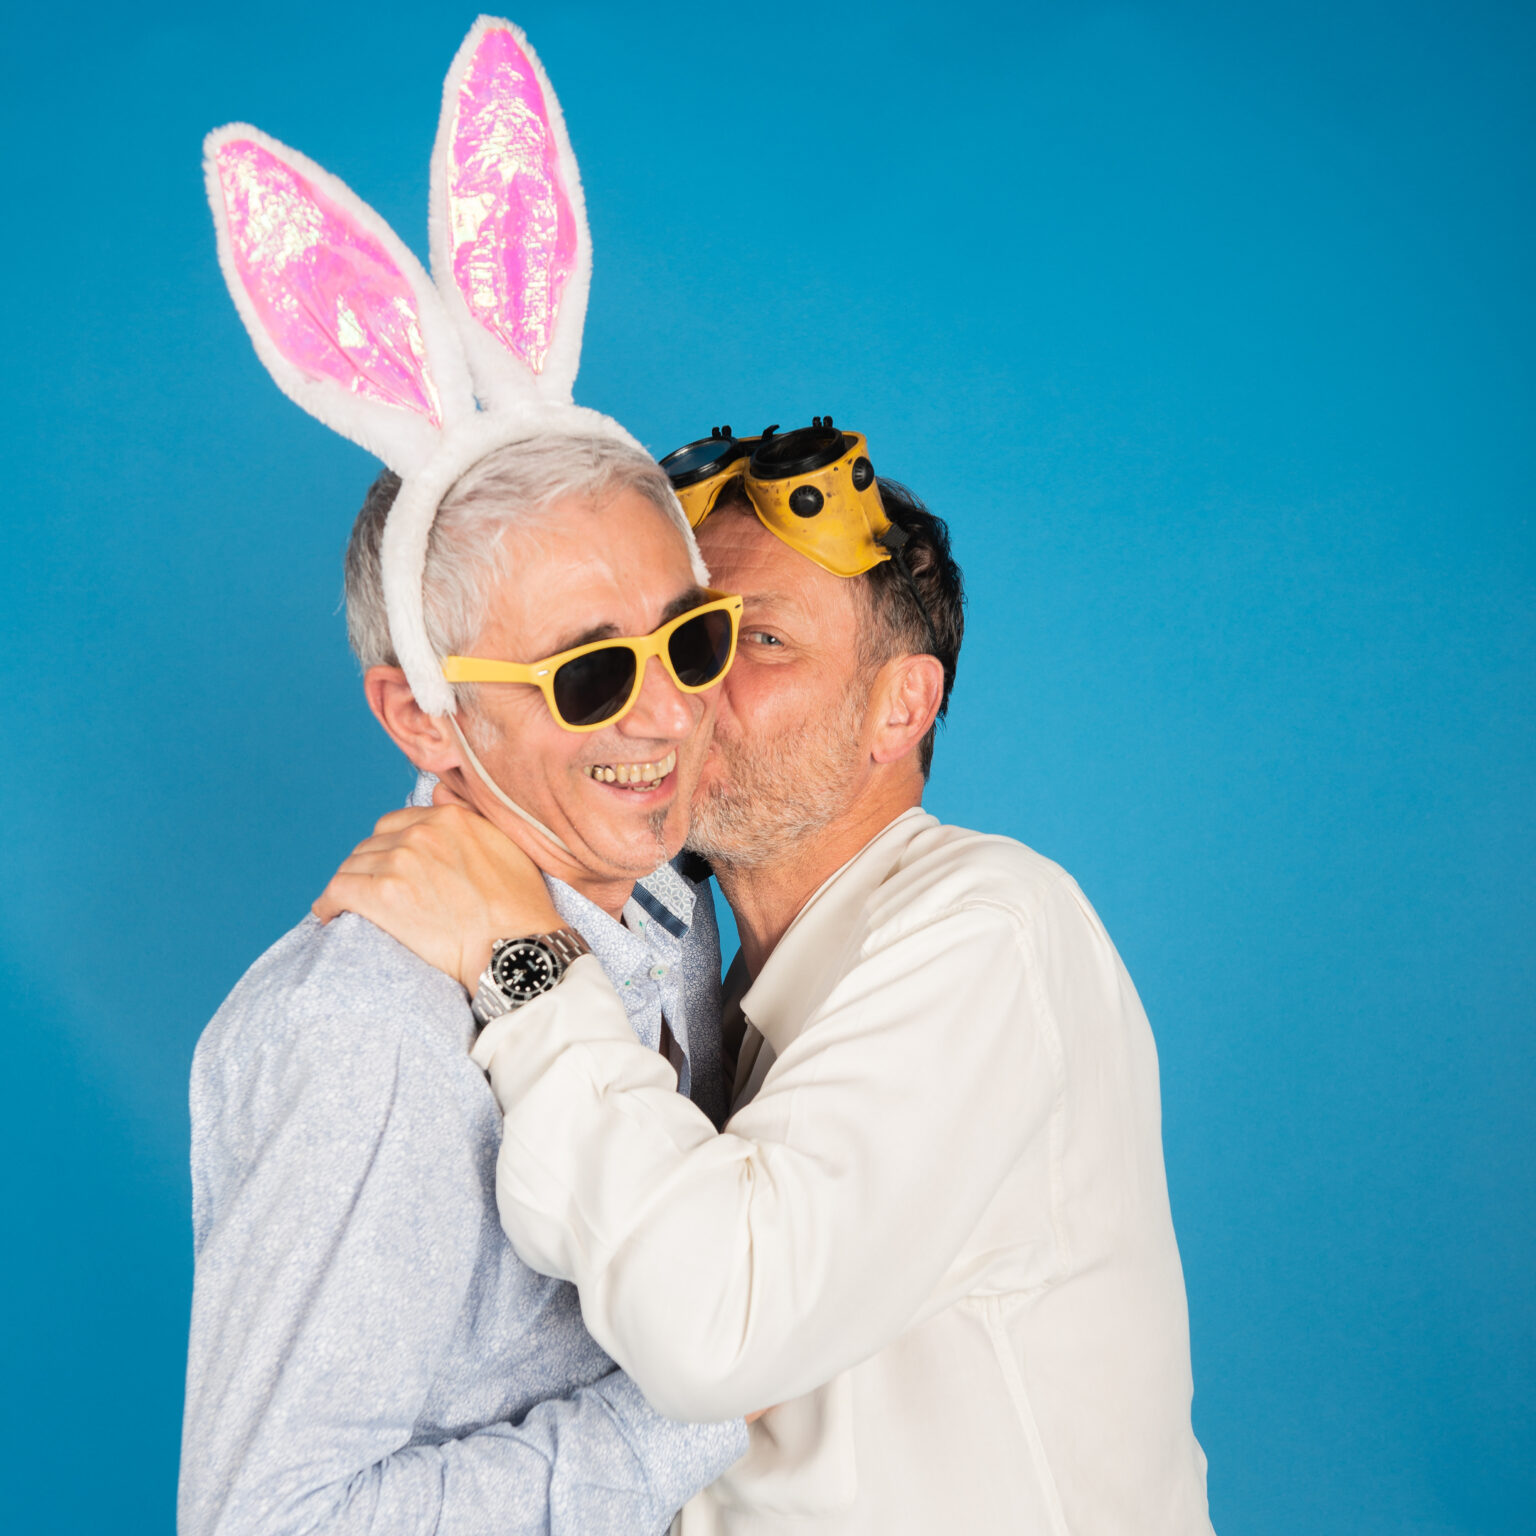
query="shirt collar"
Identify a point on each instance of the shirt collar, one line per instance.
(807, 962)
(655, 920)
(667, 898)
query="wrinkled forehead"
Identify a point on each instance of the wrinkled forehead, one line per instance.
(584, 568)
(747, 558)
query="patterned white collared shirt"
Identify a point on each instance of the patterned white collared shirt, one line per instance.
(664, 962)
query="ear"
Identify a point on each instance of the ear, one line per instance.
(343, 316)
(426, 739)
(903, 706)
(510, 247)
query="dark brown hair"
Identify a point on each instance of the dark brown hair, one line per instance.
(921, 616)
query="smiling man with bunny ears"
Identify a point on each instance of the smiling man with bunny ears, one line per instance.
(367, 1352)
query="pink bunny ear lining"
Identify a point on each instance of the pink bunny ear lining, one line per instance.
(328, 295)
(512, 232)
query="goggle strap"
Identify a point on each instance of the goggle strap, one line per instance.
(499, 792)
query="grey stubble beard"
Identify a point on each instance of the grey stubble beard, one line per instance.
(656, 823)
(780, 792)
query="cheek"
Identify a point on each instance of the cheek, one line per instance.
(531, 744)
(779, 693)
(742, 696)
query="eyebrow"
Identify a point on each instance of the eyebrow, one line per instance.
(679, 605)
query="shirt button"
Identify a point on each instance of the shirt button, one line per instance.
(658, 971)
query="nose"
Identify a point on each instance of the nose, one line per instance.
(663, 712)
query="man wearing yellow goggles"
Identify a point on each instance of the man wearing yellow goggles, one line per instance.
(813, 488)
(935, 1231)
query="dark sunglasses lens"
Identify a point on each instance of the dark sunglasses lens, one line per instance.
(700, 648)
(594, 687)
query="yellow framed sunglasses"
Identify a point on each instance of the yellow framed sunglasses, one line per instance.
(590, 686)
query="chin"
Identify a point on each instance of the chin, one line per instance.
(632, 831)
(642, 839)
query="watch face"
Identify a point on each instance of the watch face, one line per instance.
(524, 970)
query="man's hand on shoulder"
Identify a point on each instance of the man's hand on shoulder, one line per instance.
(445, 883)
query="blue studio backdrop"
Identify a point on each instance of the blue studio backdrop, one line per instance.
(1209, 328)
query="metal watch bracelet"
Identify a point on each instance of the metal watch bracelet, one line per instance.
(490, 1001)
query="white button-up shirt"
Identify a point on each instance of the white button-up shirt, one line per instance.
(936, 1235)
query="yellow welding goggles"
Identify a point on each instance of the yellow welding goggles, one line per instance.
(813, 487)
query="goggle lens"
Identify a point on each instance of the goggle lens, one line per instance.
(595, 687)
(800, 452)
(698, 461)
(699, 649)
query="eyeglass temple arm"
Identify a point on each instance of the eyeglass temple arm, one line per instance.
(475, 669)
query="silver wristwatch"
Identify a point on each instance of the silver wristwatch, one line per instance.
(523, 969)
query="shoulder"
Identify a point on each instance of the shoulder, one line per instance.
(1005, 894)
(334, 1043)
(343, 996)
(999, 885)
(942, 869)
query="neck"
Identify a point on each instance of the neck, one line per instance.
(765, 898)
(608, 892)
(610, 895)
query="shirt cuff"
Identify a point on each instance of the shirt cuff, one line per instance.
(678, 1459)
(520, 1046)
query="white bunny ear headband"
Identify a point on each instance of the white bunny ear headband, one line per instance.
(354, 331)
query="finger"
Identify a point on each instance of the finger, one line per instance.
(375, 865)
(432, 841)
(328, 904)
(378, 843)
(396, 821)
(351, 891)
(401, 829)
(373, 862)
(348, 891)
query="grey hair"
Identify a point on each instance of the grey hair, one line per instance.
(466, 551)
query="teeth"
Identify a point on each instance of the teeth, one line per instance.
(635, 775)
